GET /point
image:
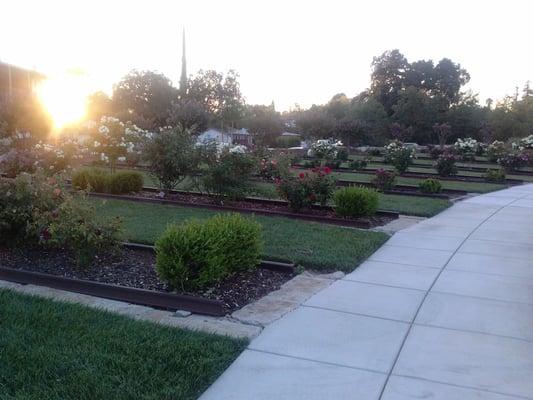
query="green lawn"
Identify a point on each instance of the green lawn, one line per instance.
(51, 350)
(408, 205)
(313, 245)
(412, 205)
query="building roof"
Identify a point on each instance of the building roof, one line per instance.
(17, 69)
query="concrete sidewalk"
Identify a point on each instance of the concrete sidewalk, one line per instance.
(443, 311)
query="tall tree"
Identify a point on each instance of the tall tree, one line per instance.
(417, 110)
(387, 79)
(98, 105)
(145, 95)
(219, 95)
(448, 80)
(263, 120)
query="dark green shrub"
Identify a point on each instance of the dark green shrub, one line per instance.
(375, 152)
(384, 180)
(197, 254)
(288, 141)
(358, 165)
(101, 181)
(430, 186)
(355, 201)
(495, 175)
(333, 164)
(95, 179)
(342, 153)
(21, 199)
(311, 163)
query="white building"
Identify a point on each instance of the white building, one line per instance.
(235, 136)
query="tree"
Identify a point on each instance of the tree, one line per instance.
(339, 106)
(388, 78)
(443, 132)
(417, 110)
(189, 114)
(365, 123)
(315, 123)
(25, 113)
(263, 121)
(98, 105)
(400, 132)
(421, 75)
(145, 95)
(219, 95)
(467, 117)
(448, 79)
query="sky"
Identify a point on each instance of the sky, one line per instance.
(285, 51)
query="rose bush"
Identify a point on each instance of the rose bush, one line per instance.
(324, 149)
(315, 186)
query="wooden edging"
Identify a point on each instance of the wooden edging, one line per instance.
(121, 293)
(152, 298)
(270, 213)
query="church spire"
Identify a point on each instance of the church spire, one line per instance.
(183, 78)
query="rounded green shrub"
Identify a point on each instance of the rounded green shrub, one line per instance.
(495, 175)
(343, 154)
(358, 165)
(430, 185)
(197, 254)
(355, 201)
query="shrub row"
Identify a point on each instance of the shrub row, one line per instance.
(101, 181)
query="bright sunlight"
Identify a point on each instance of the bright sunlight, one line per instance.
(65, 98)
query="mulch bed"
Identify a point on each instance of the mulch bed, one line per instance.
(267, 206)
(136, 268)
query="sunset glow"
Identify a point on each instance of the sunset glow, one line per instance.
(64, 97)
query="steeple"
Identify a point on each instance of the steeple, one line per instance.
(183, 78)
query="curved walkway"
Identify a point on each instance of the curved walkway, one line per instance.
(443, 311)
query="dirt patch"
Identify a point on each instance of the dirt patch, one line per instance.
(136, 268)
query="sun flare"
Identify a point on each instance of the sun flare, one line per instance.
(65, 99)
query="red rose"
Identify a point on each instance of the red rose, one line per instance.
(327, 170)
(301, 175)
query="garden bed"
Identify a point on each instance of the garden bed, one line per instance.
(267, 207)
(129, 275)
(422, 175)
(408, 190)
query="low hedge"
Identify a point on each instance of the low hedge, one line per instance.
(430, 186)
(355, 201)
(105, 182)
(288, 141)
(198, 254)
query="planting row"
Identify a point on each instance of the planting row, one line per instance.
(45, 229)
